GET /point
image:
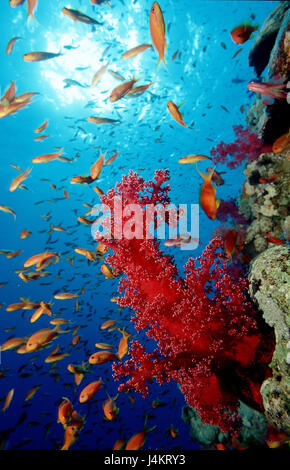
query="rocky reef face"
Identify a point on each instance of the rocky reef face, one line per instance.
(265, 202)
(253, 431)
(266, 43)
(269, 287)
(270, 51)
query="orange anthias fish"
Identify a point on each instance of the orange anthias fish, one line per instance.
(108, 273)
(275, 240)
(107, 324)
(8, 399)
(39, 259)
(135, 51)
(173, 432)
(10, 104)
(90, 390)
(176, 114)
(122, 90)
(230, 242)
(276, 438)
(282, 143)
(112, 158)
(12, 343)
(123, 346)
(76, 15)
(42, 309)
(119, 444)
(9, 94)
(10, 44)
(15, 3)
(65, 410)
(193, 158)
(270, 179)
(242, 33)
(78, 371)
(110, 408)
(40, 338)
(65, 296)
(31, 393)
(216, 177)
(98, 75)
(96, 169)
(138, 440)
(75, 340)
(54, 356)
(48, 157)
(157, 30)
(31, 7)
(70, 437)
(104, 346)
(37, 56)
(273, 90)
(42, 127)
(101, 357)
(19, 180)
(24, 234)
(207, 195)
(139, 90)
(8, 211)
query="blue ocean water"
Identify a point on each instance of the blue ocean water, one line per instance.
(211, 84)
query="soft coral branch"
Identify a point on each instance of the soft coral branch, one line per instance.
(246, 147)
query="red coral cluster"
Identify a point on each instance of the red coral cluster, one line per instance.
(230, 210)
(205, 328)
(246, 147)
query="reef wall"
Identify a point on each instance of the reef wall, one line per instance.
(264, 202)
(269, 287)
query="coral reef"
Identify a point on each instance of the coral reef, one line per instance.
(267, 204)
(247, 147)
(271, 50)
(253, 430)
(208, 336)
(269, 286)
(260, 52)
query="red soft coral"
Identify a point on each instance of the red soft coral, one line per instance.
(204, 325)
(246, 147)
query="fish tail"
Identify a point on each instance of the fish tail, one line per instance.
(159, 60)
(206, 176)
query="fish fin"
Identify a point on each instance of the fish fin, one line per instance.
(206, 176)
(159, 60)
(218, 203)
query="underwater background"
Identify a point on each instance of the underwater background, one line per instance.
(211, 84)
